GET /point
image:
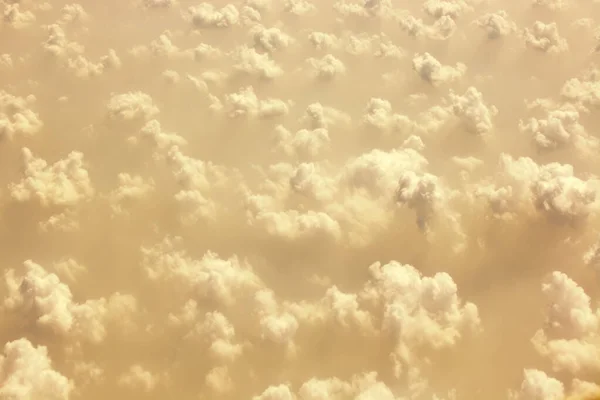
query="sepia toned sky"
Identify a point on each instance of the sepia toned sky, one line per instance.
(299, 200)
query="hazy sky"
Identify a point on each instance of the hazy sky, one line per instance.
(299, 199)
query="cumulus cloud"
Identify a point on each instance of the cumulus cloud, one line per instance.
(14, 17)
(497, 24)
(432, 71)
(131, 106)
(64, 183)
(551, 189)
(560, 128)
(538, 385)
(570, 338)
(206, 15)
(17, 116)
(270, 39)
(27, 371)
(545, 37)
(474, 113)
(247, 60)
(246, 103)
(41, 296)
(327, 67)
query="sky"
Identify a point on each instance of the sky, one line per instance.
(299, 200)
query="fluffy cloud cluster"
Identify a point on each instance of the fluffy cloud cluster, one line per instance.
(299, 200)
(17, 117)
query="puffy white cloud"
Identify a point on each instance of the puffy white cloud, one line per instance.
(248, 61)
(16, 18)
(388, 49)
(360, 44)
(349, 8)
(260, 5)
(570, 339)
(323, 41)
(131, 106)
(17, 116)
(294, 225)
(57, 43)
(270, 39)
(206, 15)
(379, 115)
(196, 179)
(211, 277)
(445, 8)
(64, 183)
(405, 296)
(304, 144)
(245, 103)
(40, 296)
(560, 128)
(276, 392)
(471, 109)
(327, 67)
(585, 90)
(497, 24)
(153, 133)
(537, 385)
(584, 390)
(545, 37)
(441, 29)
(27, 372)
(551, 189)
(432, 71)
(162, 46)
(130, 190)
(276, 325)
(74, 13)
(299, 7)
(70, 54)
(378, 172)
(323, 389)
(318, 116)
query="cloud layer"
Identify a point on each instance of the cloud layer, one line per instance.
(299, 200)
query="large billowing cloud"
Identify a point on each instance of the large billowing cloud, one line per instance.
(299, 199)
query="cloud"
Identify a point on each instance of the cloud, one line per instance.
(64, 183)
(473, 112)
(298, 199)
(27, 371)
(205, 15)
(561, 128)
(17, 116)
(497, 24)
(249, 61)
(270, 39)
(569, 339)
(245, 103)
(14, 17)
(537, 385)
(545, 37)
(41, 296)
(432, 71)
(131, 106)
(327, 67)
